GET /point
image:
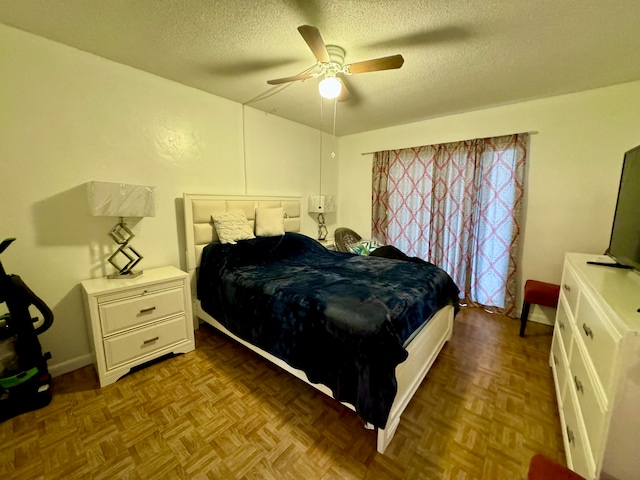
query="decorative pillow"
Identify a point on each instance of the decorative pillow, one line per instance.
(232, 226)
(363, 247)
(269, 222)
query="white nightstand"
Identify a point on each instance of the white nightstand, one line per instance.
(132, 321)
(328, 243)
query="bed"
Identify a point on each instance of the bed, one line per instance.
(347, 366)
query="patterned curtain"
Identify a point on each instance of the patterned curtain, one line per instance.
(458, 205)
(380, 198)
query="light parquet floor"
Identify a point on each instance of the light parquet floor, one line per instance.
(221, 412)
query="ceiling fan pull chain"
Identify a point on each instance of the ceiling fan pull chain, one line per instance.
(320, 191)
(333, 140)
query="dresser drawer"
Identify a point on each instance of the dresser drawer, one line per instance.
(593, 413)
(570, 289)
(140, 309)
(579, 457)
(563, 326)
(600, 343)
(559, 365)
(138, 343)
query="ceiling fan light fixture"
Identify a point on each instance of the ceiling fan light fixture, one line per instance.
(330, 87)
(331, 63)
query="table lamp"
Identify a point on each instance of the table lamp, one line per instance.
(321, 204)
(122, 200)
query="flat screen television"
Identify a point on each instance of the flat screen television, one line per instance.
(624, 245)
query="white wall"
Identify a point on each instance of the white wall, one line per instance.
(68, 117)
(573, 172)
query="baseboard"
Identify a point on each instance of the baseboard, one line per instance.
(538, 314)
(541, 318)
(61, 368)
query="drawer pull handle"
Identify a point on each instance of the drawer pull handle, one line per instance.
(555, 360)
(147, 310)
(578, 383)
(587, 331)
(561, 324)
(151, 340)
(567, 287)
(570, 436)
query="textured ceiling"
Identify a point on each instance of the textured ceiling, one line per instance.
(459, 55)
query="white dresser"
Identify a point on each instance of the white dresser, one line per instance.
(133, 321)
(595, 358)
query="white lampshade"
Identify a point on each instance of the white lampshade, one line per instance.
(321, 204)
(108, 199)
(330, 87)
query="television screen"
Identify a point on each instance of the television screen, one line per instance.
(624, 245)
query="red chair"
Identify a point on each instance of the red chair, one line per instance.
(540, 293)
(543, 468)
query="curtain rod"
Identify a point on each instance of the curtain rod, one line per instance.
(530, 132)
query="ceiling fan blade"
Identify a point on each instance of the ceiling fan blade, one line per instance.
(313, 38)
(344, 93)
(425, 37)
(384, 63)
(242, 67)
(310, 10)
(278, 81)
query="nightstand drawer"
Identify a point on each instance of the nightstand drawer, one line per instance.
(139, 343)
(139, 310)
(147, 289)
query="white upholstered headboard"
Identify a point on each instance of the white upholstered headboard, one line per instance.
(199, 229)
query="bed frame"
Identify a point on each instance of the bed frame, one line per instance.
(423, 349)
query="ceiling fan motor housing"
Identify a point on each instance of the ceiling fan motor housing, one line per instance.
(336, 54)
(335, 66)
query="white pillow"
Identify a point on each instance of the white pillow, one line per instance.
(232, 226)
(269, 222)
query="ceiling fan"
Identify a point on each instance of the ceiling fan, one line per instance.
(331, 62)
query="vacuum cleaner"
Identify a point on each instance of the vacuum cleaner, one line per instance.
(25, 382)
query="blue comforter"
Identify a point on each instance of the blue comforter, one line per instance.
(341, 318)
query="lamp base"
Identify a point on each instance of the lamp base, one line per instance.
(322, 229)
(121, 234)
(123, 276)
